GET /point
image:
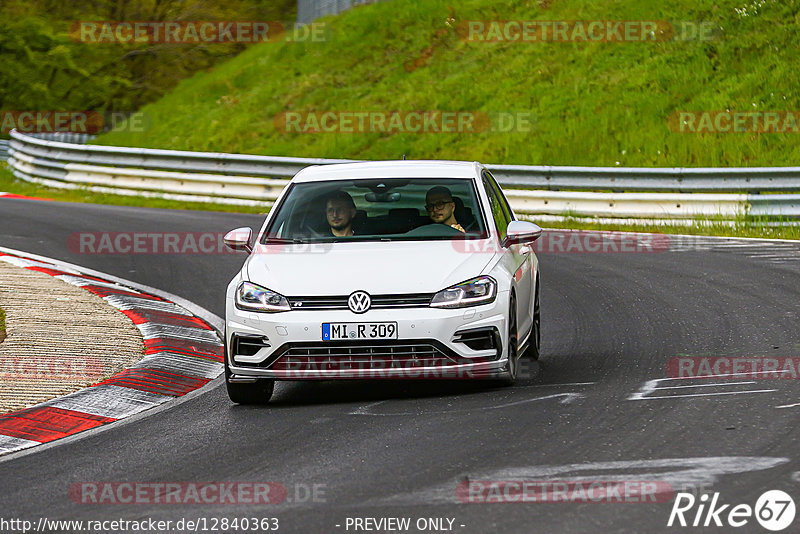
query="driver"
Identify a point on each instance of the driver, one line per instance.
(340, 211)
(441, 207)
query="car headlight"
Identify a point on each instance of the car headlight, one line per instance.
(480, 290)
(253, 297)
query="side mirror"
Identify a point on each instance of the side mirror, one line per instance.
(521, 232)
(239, 239)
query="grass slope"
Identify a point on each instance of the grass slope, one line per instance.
(594, 103)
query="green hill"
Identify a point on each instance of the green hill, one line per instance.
(591, 103)
(47, 65)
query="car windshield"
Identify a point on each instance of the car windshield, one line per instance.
(378, 209)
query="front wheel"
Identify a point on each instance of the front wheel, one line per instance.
(535, 342)
(510, 375)
(258, 392)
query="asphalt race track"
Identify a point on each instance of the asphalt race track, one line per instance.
(596, 407)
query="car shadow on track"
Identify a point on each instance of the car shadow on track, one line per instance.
(327, 392)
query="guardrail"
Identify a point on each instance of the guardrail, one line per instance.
(309, 10)
(647, 193)
(64, 137)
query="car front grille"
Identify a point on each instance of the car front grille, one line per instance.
(415, 300)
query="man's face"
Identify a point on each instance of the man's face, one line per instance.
(440, 207)
(339, 213)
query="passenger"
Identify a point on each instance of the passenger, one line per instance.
(340, 211)
(441, 207)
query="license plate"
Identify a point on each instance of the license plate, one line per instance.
(340, 331)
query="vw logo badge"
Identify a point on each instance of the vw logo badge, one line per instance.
(359, 302)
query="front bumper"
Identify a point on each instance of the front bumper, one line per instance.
(427, 347)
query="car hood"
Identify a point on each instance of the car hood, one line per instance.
(375, 267)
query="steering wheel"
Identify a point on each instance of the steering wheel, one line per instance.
(433, 229)
(306, 230)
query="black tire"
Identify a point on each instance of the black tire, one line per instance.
(535, 342)
(258, 392)
(510, 376)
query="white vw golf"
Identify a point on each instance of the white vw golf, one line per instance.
(400, 269)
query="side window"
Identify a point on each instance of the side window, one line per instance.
(506, 207)
(499, 214)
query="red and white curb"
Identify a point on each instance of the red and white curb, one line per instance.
(182, 353)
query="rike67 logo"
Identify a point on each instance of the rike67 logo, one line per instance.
(774, 510)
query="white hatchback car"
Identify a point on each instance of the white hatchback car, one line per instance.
(398, 269)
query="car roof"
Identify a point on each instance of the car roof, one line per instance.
(389, 169)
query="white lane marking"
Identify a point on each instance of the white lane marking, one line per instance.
(777, 252)
(707, 385)
(789, 405)
(367, 408)
(769, 255)
(364, 410)
(653, 386)
(648, 387)
(710, 394)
